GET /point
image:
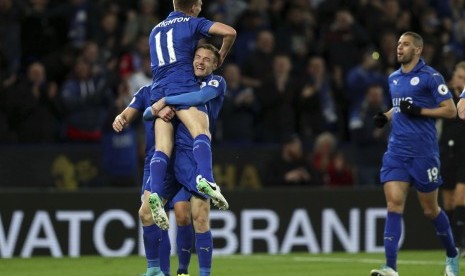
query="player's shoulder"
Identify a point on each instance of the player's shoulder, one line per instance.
(215, 81)
(430, 74)
(143, 91)
(429, 70)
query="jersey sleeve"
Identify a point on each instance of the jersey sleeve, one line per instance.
(203, 25)
(210, 90)
(439, 88)
(140, 99)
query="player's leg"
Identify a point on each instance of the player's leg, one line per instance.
(429, 203)
(396, 194)
(427, 179)
(185, 233)
(165, 252)
(158, 168)
(197, 123)
(448, 202)
(459, 214)
(151, 237)
(449, 166)
(203, 236)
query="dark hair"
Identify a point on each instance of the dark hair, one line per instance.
(417, 39)
(212, 48)
(184, 5)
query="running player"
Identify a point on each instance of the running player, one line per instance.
(419, 95)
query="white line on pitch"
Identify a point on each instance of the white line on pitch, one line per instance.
(368, 261)
(329, 259)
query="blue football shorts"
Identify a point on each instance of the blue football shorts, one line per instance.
(421, 172)
(185, 169)
(181, 196)
(168, 188)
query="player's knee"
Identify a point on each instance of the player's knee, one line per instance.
(396, 206)
(183, 219)
(201, 223)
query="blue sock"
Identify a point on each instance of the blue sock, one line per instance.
(184, 240)
(165, 252)
(203, 156)
(151, 236)
(392, 231)
(204, 249)
(158, 166)
(444, 232)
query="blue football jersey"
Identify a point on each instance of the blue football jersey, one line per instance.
(424, 87)
(183, 138)
(172, 46)
(140, 102)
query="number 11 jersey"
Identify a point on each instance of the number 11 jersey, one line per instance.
(172, 43)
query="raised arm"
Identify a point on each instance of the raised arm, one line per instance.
(229, 36)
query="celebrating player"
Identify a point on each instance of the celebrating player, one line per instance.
(156, 241)
(212, 95)
(419, 95)
(172, 44)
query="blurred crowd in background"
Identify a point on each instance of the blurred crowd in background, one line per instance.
(305, 75)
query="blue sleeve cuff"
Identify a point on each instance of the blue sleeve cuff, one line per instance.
(148, 116)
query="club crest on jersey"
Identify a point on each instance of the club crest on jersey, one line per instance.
(442, 89)
(213, 83)
(415, 81)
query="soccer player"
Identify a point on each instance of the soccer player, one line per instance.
(419, 95)
(212, 93)
(172, 45)
(156, 241)
(452, 147)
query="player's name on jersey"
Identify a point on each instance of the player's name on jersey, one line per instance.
(173, 21)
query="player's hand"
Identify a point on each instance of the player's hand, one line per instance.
(167, 113)
(119, 123)
(380, 120)
(157, 106)
(409, 108)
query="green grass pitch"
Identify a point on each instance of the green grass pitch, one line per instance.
(414, 263)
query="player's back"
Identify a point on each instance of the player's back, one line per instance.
(172, 46)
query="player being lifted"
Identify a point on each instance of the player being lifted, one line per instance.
(172, 45)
